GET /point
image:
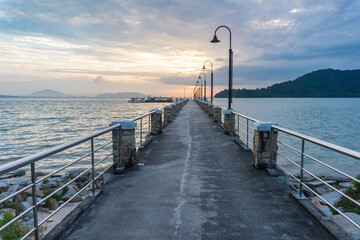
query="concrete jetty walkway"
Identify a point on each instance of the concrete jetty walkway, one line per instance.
(196, 183)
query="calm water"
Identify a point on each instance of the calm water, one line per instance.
(28, 126)
(335, 120)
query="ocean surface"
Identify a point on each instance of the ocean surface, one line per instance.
(29, 125)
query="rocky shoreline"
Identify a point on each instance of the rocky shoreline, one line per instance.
(343, 185)
(21, 202)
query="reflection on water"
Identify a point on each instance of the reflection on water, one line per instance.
(335, 120)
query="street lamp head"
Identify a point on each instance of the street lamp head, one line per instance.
(215, 39)
(204, 68)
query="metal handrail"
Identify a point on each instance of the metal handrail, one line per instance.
(321, 143)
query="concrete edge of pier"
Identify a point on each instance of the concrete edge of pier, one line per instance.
(326, 222)
(71, 218)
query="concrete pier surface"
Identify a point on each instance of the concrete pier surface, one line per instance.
(195, 183)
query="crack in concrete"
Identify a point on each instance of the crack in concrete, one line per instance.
(177, 218)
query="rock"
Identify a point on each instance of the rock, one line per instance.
(346, 184)
(3, 186)
(53, 204)
(12, 211)
(39, 174)
(346, 225)
(325, 210)
(19, 173)
(71, 192)
(72, 188)
(323, 189)
(72, 175)
(45, 210)
(28, 223)
(82, 179)
(30, 201)
(39, 193)
(4, 195)
(79, 185)
(21, 181)
(12, 189)
(51, 185)
(25, 206)
(314, 184)
(331, 197)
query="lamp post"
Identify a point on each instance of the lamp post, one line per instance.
(194, 92)
(201, 87)
(216, 40)
(212, 77)
(204, 85)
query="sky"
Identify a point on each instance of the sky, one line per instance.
(158, 47)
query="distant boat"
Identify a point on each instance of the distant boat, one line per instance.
(137, 100)
(152, 99)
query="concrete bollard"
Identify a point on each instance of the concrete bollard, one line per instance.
(173, 109)
(217, 114)
(168, 113)
(127, 147)
(261, 145)
(206, 107)
(211, 110)
(229, 122)
(156, 121)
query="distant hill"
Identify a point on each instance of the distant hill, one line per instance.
(48, 93)
(6, 96)
(120, 95)
(320, 83)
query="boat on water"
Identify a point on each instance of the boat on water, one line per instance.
(152, 99)
(137, 100)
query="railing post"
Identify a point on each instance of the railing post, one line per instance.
(34, 199)
(141, 125)
(247, 133)
(238, 126)
(229, 122)
(126, 143)
(156, 121)
(211, 110)
(264, 145)
(302, 168)
(93, 166)
(217, 114)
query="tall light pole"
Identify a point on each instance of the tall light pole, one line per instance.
(216, 40)
(212, 77)
(204, 85)
(194, 92)
(201, 87)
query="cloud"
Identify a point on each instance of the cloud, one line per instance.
(167, 41)
(98, 80)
